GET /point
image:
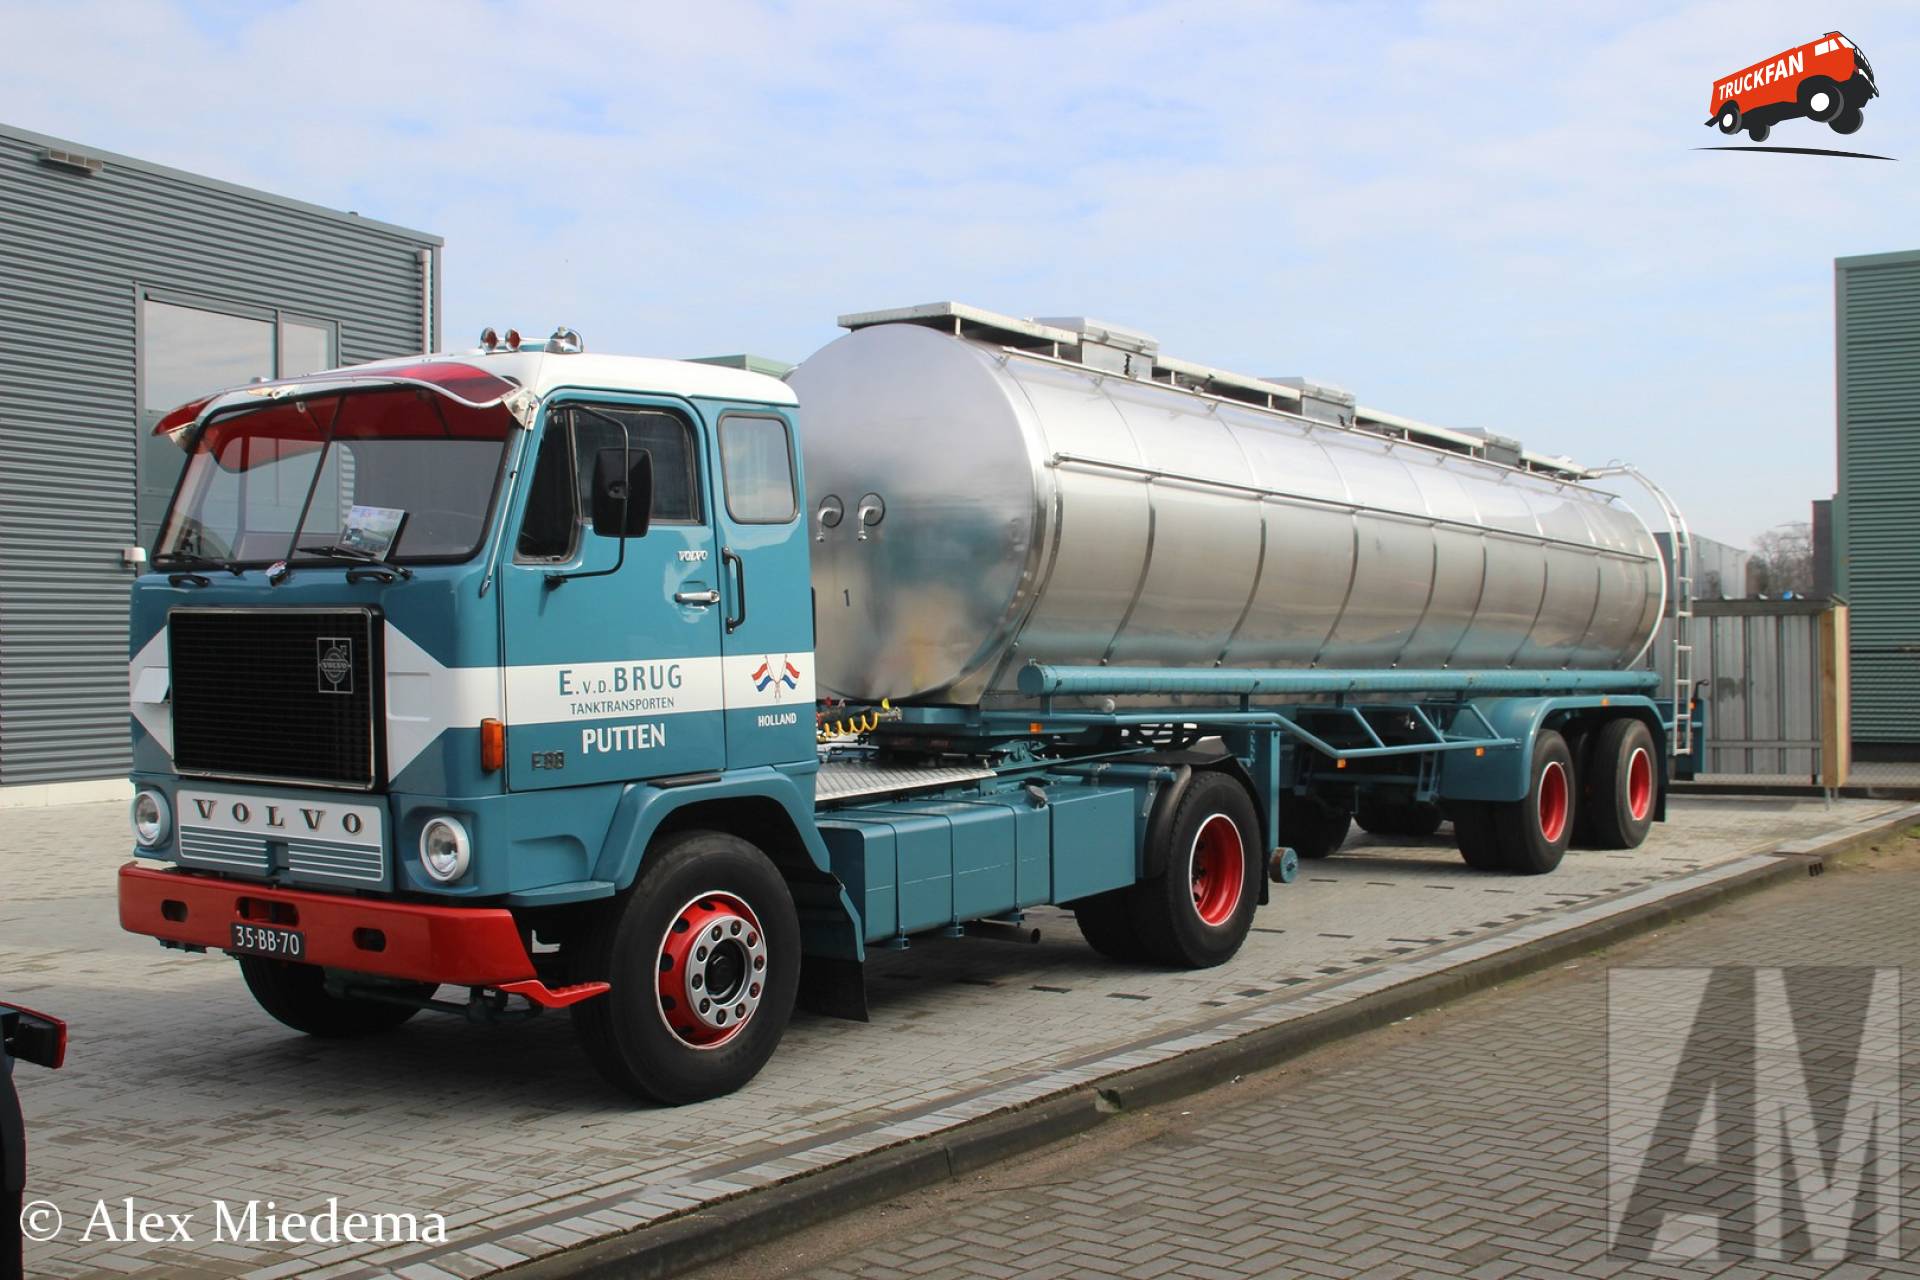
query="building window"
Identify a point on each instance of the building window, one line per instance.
(189, 347)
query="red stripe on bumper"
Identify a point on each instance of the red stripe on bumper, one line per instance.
(467, 946)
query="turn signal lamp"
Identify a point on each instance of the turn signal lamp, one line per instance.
(493, 745)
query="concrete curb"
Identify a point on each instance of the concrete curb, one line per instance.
(758, 1217)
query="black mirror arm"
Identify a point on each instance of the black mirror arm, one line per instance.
(556, 577)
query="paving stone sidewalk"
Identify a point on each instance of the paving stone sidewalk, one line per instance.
(1470, 1142)
(179, 1091)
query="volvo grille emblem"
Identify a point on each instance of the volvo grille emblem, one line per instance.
(336, 664)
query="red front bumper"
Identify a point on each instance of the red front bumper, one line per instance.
(465, 946)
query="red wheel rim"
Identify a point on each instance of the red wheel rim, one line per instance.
(1553, 802)
(1639, 783)
(712, 970)
(1218, 863)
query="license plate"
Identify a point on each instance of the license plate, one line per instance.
(267, 940)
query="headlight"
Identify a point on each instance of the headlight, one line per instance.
(445, 849)
(152, 819)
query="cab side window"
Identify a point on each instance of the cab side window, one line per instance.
(560, 497)
(757, 459)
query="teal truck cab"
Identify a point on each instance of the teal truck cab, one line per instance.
(497, 671)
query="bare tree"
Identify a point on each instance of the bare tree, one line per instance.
(1783, 559)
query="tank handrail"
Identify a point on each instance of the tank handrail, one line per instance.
(1678, 604)
(1042, 680)
(1335, 504)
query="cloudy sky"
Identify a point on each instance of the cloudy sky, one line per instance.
(1480, 214)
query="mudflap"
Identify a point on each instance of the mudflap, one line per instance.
(833, 987)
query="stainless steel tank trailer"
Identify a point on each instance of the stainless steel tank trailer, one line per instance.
(661, 691)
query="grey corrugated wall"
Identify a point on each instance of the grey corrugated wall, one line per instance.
(1877, 312)
(74, 252)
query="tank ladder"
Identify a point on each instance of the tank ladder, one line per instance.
(1679, 602)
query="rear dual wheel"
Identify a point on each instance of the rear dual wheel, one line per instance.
(1387, 816)
(1312, 827)
(1528, 836)
(1196, 912)
(1621, 781)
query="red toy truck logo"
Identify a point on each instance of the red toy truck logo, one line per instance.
(1828, 80)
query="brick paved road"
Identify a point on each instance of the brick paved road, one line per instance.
(179, 1091)
(1468, 1142)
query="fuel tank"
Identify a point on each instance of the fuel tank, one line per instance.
(976, 505)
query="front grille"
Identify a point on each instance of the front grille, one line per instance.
(219, 850)
(279, 694)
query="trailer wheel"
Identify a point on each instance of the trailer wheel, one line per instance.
(1821, 99)
(297, 995)
(1473, 834)
(1729, 119)
(704, 956)
(1311, 827)
(1622, 784)
(1848, 121)
(1383, 816)
(1106, 922)
(1533, 833)
(1196, 912)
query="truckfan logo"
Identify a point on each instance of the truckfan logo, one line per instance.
(782, 677)
(1828, 81)
(336, 663)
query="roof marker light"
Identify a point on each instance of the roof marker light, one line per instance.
(513, 339)
(489, 339)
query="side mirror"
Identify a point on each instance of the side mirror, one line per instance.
(622, 493)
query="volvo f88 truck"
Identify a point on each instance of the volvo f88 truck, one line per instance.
(664, 691)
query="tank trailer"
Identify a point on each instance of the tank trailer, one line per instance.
(662, 691)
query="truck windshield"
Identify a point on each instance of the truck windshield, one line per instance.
(408, 464)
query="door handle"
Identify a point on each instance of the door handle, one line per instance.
(731, 560)
(709, 597)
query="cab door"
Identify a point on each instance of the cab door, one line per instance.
(767, 631)
(612, 645)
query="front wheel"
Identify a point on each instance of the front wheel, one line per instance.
(703, 954)
(297, 995)
(1821, 99)
(1196, 912)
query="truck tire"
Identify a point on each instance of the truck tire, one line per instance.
(1311, 827)
(1821, 98)
(1758, 131)
(1106, 922)
(297, 995)
(1621, 784)
(1533, 833)
(1729, 118)
(1196, 912)
(1385, 816)
(1473, 834)
(1848, 121)
(704, 956)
